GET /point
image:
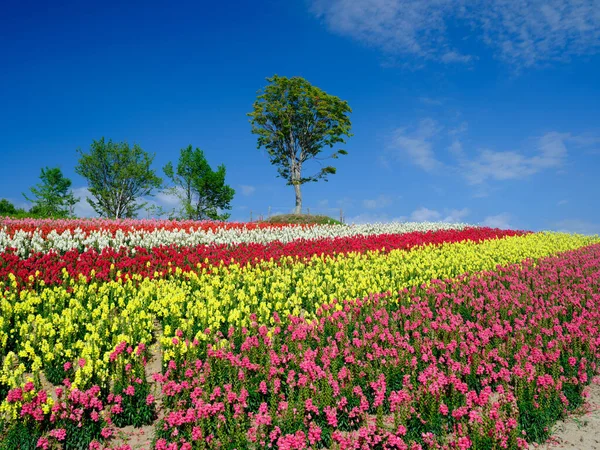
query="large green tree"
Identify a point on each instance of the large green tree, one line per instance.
(118, 177)
(52, 197)
(201, 190)
(295, 121)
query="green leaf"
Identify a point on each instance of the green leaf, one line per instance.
(118, 176)
(201, 190)
(294, 121)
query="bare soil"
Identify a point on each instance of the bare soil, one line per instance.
(580, 431)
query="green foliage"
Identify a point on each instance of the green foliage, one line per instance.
(118, 175)
(201, 190)
(294, 121)
(52, 197)
(80, 437)
(7, 208)
(21, 435)
(136, 411)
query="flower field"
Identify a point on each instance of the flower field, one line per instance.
(234, 336)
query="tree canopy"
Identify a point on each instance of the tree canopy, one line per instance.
(52, 197)
(202, 191)
(295, 121)
(118, 177)
(7, 208)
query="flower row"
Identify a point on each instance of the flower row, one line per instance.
(51, 267)
(489, 360)
(484, 362)
(112, 226)
(85, 319)
(62, 239)
(70, 418)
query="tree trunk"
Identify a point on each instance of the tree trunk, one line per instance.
(298, 209)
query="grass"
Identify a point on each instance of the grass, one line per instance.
(302, 219)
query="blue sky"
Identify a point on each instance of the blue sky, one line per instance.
(480, 111)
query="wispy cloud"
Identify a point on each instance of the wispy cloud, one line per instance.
(455, 57)
(550, 153)
(417, 144)
(167, 199)
(374, 218)
(429, 101)
(423, 214)
(521, 33)
(381, 201)
(433, 146)
(247, 189)
(577, 226)
(498, 221)
(82, 208)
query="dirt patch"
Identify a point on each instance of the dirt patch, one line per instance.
(136, 438)
(581, 430)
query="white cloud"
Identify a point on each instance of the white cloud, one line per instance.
(456, 148)
(374, 218)
(578, 226)
(551, 153)
(167, 199)
(498, 221)
(521, 33)
(247, 190)
(455, 57)
(346, 202)
(456, 215)
(377, 203)
(423, 214)
(529, 33)
(462, 128)
(417, 144)
(82, 207)
(562, 202)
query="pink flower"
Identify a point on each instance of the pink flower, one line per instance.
(196, 433)
(14, 395)
(149, 399)
(59, 433)
(81, 362)
(464, 443)
(262, 387)
(129, 390)
(443, 409)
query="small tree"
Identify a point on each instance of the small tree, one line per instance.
(201, 190)
(7, 208)
(294, 120)
(52, 197)
(118, 175)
